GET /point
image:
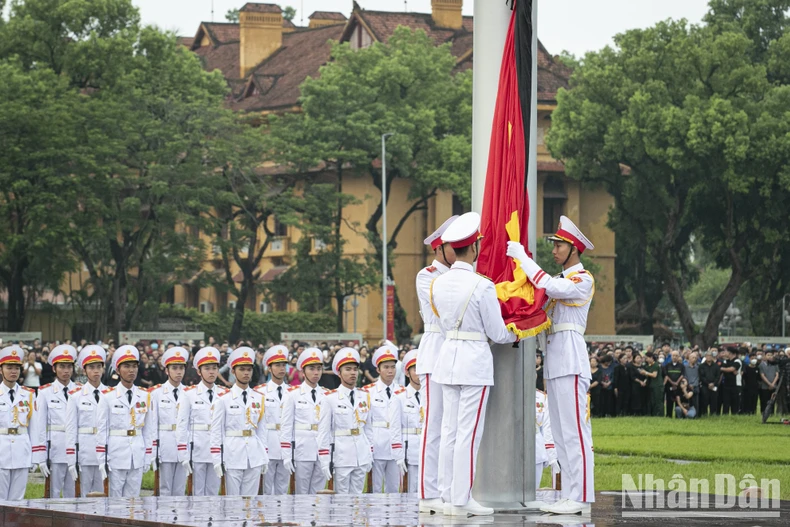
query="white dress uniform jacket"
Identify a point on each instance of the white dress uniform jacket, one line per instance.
(412, 418)
(384, 418)
(18, 431)
(348, 427)
(432, 339)
(165, 417)
(569, 302)
(194, 423)
(51, 416)
(300, 418)
(237, 427)
(125, 428)
(273, 416)
(469, 315)
(82, 425)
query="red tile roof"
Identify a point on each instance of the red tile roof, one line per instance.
(328, 15)
(253, 7)
(186, 41)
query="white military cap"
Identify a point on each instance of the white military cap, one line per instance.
(125, 353)
(92, 354)
(278, 353)
(175, 355)
(308, 357)
(207, 355)
(11, 355)
(63, 353)
(344, 356)
(435, 240)
(464, 231)
(385, 353)
(409, 360)
(241, 356)
(568, 232)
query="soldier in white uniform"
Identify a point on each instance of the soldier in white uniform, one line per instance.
(385, 419)
(412, 419)
(81, 422)
(164, 403)
(238, 437)
(344, 422)
(432, 339)
(17, 426)
(469, 314)
(545, 453)
(51, 416)
(300, 417)
(195, 415)
(125, 438)
(276, 360)
(567, 368)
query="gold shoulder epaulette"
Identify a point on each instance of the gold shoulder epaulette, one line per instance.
(75, 390)
(190, 388)
(292, 388)
(31, 390)
(397, 392)
(108, 390)
(44, 387)
(223, 394)
(330, 392)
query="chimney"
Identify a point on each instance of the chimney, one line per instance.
(261, 29)
(447, 13)
(326, 18)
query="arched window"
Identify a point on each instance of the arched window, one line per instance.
(554, 198)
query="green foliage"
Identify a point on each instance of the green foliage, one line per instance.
(711, 283)
(546, 261)
(232, 15)
(289, 13)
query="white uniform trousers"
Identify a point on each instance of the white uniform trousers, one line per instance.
(349, 480)
(413, 480)
(242, 482)
(172, 479)
(386, 476)
(60, 480)
(90, 480)
(572, 433)
(275, 481)
(309, 477)
(126, 483)
(428, 475)
(204, 480)
(12, 483)
(462, 429)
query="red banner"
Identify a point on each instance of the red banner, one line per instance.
(506, 203)
(390, 313)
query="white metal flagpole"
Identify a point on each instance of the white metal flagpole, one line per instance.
(505, 476)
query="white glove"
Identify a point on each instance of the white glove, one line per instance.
(402, 466)
(218, 470)
(265, 469)
(187, 466)
(555, 466)
(73, 472)
(327, 473)
(44, 469)
(288, 465)
(516, 251)
(148, 463)
(153, 465)
(103, 471)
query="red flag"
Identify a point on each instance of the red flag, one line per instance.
(506, 203)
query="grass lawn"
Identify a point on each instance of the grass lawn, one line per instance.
(736, 445)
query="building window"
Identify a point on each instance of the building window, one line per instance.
(554, 199)
(280, 229)
(281, 302)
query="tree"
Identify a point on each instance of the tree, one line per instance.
(39, 142)
(322, 272)
(232, 16)
(289, 13)
(680, 126)
(406, 87)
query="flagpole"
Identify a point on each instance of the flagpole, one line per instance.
(506, 460)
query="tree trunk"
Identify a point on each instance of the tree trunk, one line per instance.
(339, 325)
(238, 313)
(16, 298)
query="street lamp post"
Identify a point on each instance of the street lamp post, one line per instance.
(384, 233)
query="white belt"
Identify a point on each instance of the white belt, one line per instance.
(466, 335)
(201, 428)
(272, 426)
(412, 431)
(300, 426)
(351, 432)
(10, 431)
(381, 424)
(125, 433)
(56, 428)
(567, 326)
(89, 431)
(433, 328)
(239, 433)
(167, 428)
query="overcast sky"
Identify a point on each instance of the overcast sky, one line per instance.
(574, 25)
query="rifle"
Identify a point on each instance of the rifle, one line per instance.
(107, 470)
(369, 482)
(190, 479)
(222, 490)
(47, 482)
(156, 460)
(77, 483)
(332, 468)
(292, 484)
(406, 462)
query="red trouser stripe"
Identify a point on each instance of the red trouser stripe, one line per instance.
(425, 433)
(472, 446)
(581, 440)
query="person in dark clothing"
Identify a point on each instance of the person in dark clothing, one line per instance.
(639, 389)
(622, 387)
(655, 376)
(607, 386)
(539, 372)
(674, 371)
(709, 375)
(595, 387)
(751, 386)
(47, 373)
(769, 377)
(729, 371)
